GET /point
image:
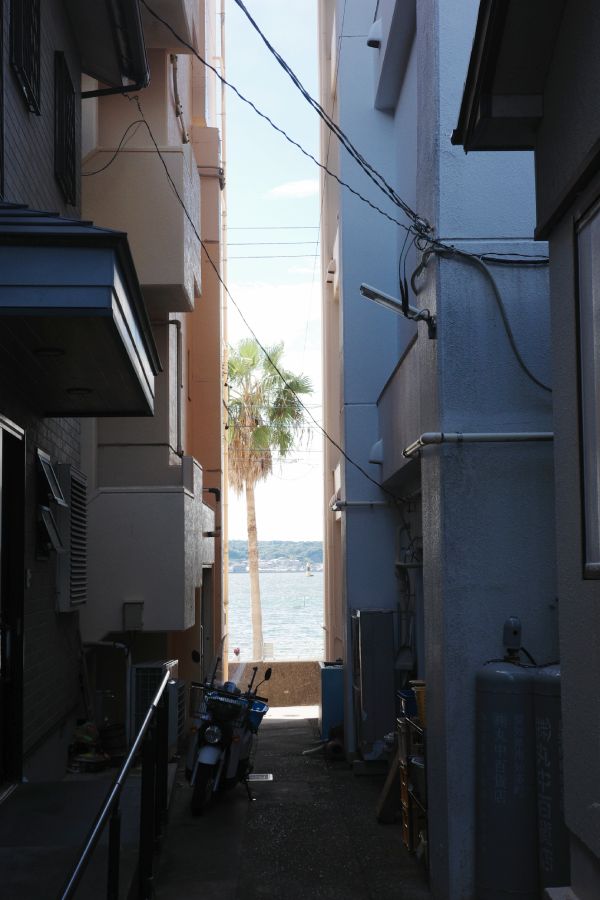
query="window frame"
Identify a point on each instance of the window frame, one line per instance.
(65, 144)
(25, 21)
(588, 386)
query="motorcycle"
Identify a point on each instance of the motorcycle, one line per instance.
(224, 728)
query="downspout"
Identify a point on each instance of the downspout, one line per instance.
(185, 138)
(177, 325)
(458, 437)
(225, 395)
(125, 89)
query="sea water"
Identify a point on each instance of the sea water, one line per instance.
(292, 611)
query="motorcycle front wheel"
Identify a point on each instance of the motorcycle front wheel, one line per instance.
(203, 788)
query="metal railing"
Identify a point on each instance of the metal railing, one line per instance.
(152, 739)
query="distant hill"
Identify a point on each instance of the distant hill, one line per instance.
(304, 550)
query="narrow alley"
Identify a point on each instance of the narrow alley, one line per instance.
(311, 834)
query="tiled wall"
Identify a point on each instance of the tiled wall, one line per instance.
(51, 678)
(28, 138)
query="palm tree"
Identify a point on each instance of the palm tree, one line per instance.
(266, 416)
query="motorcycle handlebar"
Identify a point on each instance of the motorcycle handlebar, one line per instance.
(264, 699)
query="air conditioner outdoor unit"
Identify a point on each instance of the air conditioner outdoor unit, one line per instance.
(71, 566)
(145, 681)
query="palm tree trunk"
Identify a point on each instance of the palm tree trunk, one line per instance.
(257, 633)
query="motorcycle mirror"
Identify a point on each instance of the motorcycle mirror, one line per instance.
(195, 656)
(268, 674)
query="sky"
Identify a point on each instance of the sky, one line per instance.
(274, 211)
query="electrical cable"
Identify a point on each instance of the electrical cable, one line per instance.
(529, 656)
(122, 142)
(264, 116)
(269, 243)
(370, 171)
(135, 99)
(421, 228)
(279, 256)
(272, 227)
(480, 264)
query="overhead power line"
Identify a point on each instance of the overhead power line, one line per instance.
(270, 121)
(421, 226)
(135, 99)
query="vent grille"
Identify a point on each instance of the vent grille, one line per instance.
(146, 681)
(78, 573)
(72, 583)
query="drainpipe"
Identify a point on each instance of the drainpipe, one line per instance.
(185, 138)
(338, 505)
(126, 89)
(177, 325)
(458, 437)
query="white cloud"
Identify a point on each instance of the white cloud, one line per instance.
(296, 190)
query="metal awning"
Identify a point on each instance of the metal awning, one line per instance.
(110, 38)
(503, 95)
(75, 338)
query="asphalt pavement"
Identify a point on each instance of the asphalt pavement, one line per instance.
(310, 834)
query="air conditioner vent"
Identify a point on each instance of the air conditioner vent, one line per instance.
(78, 540)
(146, 679)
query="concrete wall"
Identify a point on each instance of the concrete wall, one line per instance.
(481, 505)
(292, 683)
(567, 143)
(472, 497)
(577, 597)
(361, 341)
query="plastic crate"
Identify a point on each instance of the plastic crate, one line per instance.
(255, 716)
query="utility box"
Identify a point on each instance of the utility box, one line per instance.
(331, 704)
(373, 685)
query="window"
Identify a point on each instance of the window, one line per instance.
(588, 253)
(25, 49)
(64, 129)
(49, 482)
(48, 534)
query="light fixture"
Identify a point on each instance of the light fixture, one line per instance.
(375, 34)
(400, 306)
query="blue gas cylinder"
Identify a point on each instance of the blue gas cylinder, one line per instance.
(553, 836)
(506, 831)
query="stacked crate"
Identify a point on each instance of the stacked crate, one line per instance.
(413, 784)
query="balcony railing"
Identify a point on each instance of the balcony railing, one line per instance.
(152, 741)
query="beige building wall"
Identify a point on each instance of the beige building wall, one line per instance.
(332, 344)
(133, 459)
